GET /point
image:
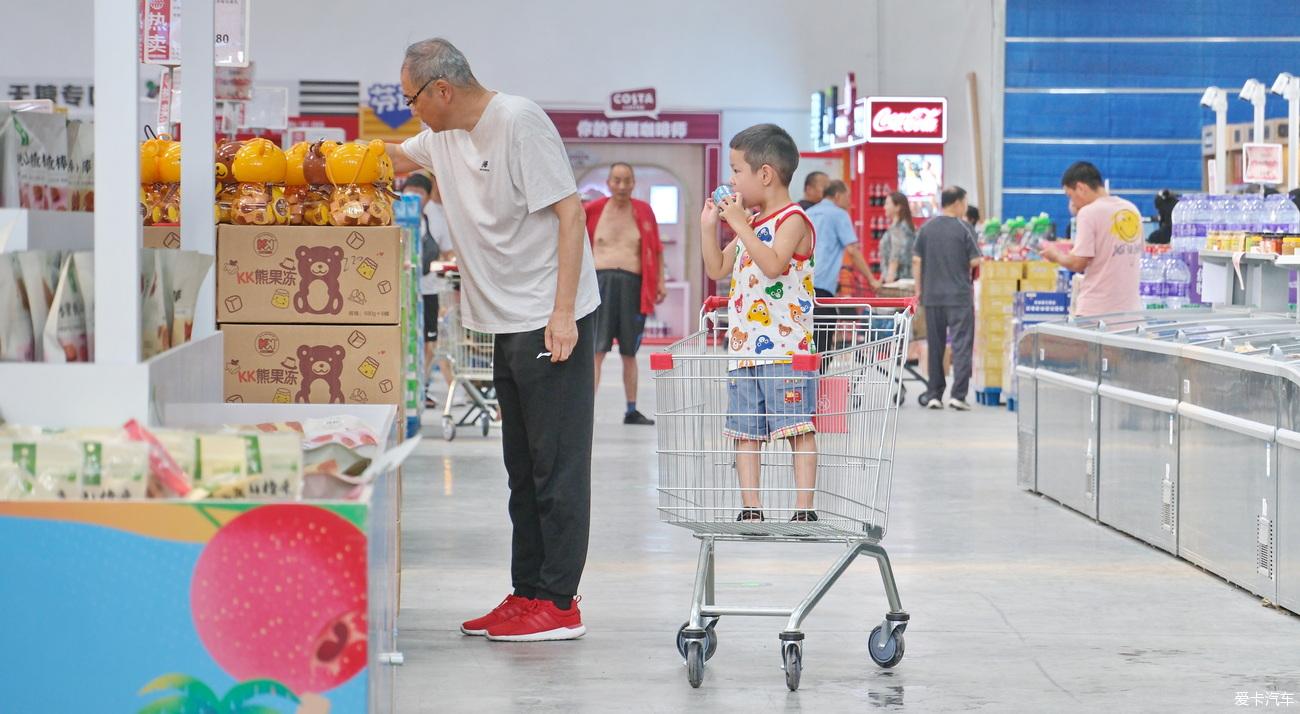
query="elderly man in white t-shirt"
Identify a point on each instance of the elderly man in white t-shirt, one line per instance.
(520, 236)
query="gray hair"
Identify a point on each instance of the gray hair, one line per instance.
(437, 58)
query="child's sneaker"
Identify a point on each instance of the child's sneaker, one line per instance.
(512, 606)
(540, 622)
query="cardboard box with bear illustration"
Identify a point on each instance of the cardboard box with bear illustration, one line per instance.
(313, 364)
(309, 274)
(161, 237)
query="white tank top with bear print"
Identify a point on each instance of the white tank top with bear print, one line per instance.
(770, 320)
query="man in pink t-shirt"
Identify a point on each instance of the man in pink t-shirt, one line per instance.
(1107, 245)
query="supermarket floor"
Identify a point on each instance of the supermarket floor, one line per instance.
(1017, 604)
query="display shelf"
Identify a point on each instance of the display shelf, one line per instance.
(1287, 261)
(95, 394)
(46, 230)
(1223, 256)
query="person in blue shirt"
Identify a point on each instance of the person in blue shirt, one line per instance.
(835, 238)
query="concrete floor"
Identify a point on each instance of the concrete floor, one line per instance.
(1017, 604)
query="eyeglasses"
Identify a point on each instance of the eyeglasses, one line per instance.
(411, 99)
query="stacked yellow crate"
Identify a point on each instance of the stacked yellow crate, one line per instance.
(998, 283)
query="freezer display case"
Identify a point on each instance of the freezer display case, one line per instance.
(1180, 428)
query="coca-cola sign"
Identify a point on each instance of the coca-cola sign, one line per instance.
(634, 103)
(907, 120)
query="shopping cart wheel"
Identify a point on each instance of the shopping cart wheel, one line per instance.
(448, 428)
(792, 660)
(695, 663)
(891, 653)
(485, 422)
(902, 395)
(920, 399)
(711, 639)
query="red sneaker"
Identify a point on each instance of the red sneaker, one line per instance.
(512, 606)
(541, 621)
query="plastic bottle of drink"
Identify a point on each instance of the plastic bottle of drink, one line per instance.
(1254, 214)
(1178, 230)
(1220, 209)
(1177, 282)
(1150, 280)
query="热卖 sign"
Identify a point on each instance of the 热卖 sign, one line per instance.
(633, 103)
(1261, 163)
(907, 120)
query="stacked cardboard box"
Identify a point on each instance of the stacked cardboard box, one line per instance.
(995, 331)
(312, 314)
(998, 283)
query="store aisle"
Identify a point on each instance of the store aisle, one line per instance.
(1017, 604)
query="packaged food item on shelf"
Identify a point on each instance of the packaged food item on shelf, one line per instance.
(81, 165)
(17, 342)
(155, 328)
(335, 454)
(40, 272)
(64, 337)
(227, 186)
(259, 166)
(83, 266)
(167, 478)
(169, 181)
(40, 142)
(356, 170)
(308, 203)
(151, 189)
(184, 271)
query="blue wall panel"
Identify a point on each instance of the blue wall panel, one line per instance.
(1120, 65)
(1092, 116)
(1113, 64)
(1127, 166)
(1170, 18)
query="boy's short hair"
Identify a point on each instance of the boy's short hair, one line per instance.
(951, 195)
(835, 188)
(771, 145)
(1082, 172)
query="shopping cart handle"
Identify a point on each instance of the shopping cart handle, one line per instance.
(900, 303)
(713, 302)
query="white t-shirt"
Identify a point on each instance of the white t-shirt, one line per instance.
(498, 182)
(435, 221)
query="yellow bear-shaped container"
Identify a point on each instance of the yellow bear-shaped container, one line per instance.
(308, 204)
(259, 167)
(151, 192)
(169, 177)
(227, 187)
(355, 169)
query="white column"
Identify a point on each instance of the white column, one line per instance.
(117, 184)
(198, 127)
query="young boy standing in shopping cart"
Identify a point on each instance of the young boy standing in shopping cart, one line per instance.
(770, 312)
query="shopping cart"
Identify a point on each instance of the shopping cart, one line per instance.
(470, 355)
(857, 383)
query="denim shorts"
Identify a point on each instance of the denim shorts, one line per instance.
(768, 402)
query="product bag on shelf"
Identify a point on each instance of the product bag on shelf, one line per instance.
(40, 271)
(155, 327)
(83, 264)
(81, 165)
(64, 335)
(41, 143)
(183, 272)
(8, 160)
(17, 342)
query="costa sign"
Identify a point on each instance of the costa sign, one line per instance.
(907, 120)
(634, 103)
